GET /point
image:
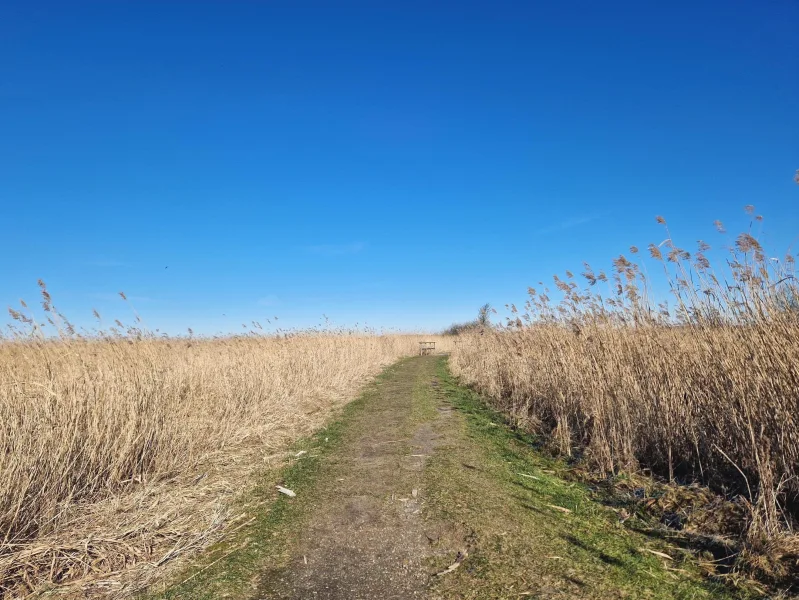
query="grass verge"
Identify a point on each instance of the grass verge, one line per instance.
(529, 532)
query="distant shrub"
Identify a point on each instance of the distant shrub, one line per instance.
(483, 321)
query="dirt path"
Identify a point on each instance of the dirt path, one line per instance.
(420, 491)
(367, 538)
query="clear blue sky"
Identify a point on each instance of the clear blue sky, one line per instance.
(391, 163)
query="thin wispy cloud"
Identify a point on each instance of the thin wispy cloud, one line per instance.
(336, 249)
(105, 263)
(270, 300)
(568, 224)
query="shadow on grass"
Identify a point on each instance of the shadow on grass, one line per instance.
(589, 528)
(604, 557)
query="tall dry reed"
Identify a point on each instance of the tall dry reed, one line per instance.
(85, 420)
(704, 387)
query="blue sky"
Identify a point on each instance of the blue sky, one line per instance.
(391, 163)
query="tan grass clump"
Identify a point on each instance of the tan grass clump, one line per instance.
(705, 388)
(127, 449)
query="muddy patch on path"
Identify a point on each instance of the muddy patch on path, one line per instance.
(366, 537)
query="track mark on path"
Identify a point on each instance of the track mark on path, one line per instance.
(365, 537)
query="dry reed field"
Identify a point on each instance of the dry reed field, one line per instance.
(123, 449)
(704, 389)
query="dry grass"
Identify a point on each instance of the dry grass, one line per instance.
(121, 450)
(706, 389)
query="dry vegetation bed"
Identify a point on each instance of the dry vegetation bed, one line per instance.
(704, 390)
(123, 451)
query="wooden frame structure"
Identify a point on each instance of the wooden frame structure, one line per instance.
(426, 348)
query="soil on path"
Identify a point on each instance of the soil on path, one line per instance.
(366, 537)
